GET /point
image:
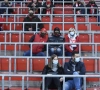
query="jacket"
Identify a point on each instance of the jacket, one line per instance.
(38, 5)
(68, 68)
(67, 47)
(55, 39)
(95, 10)
(47, 69)
(36, 48)
(33, 26)
(82, 9)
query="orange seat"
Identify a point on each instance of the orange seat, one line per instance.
(68, 19)
(27, 37)
(25, 11)
(38, 64)
(20, 19)
(90, 65)
(24, 47)
(9, 47)
(16, 38)
(16, 88)
(11, 19)
(46, 19)
(18, 27)
(8, 27)
(97, 38)
(68, 26)
(68, 12)
(21, 64)
(5, 64)
(3, 38)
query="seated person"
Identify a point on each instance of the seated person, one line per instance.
(6, 4)
(56, 38)
(91, 5)
(35, 4)
(53, 68)
(79, 10)
(47, 7)
(32, 18)
(37, 49)
(71, 38)
(74, 67)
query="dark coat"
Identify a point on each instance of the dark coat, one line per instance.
(47, 69)
(34, 19)
(55, 39)
(79, 67)
(95, 11)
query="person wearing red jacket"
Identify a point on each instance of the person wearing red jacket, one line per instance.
(37, 49)
(71, 38)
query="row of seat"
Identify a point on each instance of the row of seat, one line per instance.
(15, 37)
(55, 19)
(39, 63)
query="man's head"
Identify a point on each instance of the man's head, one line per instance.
(5, 0)
(34, 1)
(75, 57)
(92, 2)
(56, 31)
(31, 13)
(43, 32)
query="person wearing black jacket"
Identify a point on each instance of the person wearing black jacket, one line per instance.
(6, 3)
(91, 5)
(32, 18)
(35, 4)
(56, 38)
(74, 67)
(53, 68)
(47, 7)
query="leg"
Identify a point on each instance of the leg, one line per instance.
(51, 51)
(57, 83)
(40, 54)
(27, 53)
(47, 82)
(59, 52)
(77, 81)
(69, 85)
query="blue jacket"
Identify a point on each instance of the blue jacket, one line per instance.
(68, 68)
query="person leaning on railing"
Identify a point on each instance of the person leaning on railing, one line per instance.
(74, 67)
(32, 18)
(53, 68)
(37, 49)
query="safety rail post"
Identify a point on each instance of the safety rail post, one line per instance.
(10, 65)
(3, 82)
(22, 82)
(63, 82)
(43, 85)
(15, 66)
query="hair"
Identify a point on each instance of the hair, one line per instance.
(73, 53)
(51, 60)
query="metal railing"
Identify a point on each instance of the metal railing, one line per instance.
(43, 79)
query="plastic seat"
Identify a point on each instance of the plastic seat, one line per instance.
(21, 64)
(16, 88)
(68, 26)
(90, 65)
(81, 26)
(68, 19)
(96, 38)
(3, 38)
(20, 19)
(18, 27)
(38, 64)
(24, 47)
(15, 38)
(5, 88)
(46, 19)
(11, 19)
(5, 64)
(25, 11)
(27, 37)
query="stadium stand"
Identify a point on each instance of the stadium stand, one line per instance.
(24, 73)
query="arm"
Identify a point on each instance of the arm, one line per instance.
(83, 69)
(77, 40)
(32, 39)
(66, 70)
(44, 70)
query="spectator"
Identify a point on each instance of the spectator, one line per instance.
(35, 4)
(92, 7)
(71, 38)
(74, 67)
(47, 7)
(37, 49)
(55, 38)
(1, 25)
(80, 9)
(32, 18)
(53, 68)
(6, 4)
